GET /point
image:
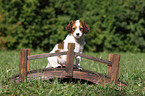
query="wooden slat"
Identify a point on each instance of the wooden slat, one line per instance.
(95, 59)
(23, 64)
(115, 68)
(70, 60)
(46, 55)
(109, 68)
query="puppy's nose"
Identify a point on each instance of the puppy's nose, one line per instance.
(77, 34)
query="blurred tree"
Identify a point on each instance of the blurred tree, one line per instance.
(40, 24)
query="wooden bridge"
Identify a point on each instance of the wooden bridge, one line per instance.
(68, 72)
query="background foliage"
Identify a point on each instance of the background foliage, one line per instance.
(116, 25)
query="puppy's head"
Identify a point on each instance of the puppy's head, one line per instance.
(77, 28)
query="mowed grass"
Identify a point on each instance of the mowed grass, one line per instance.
(132, 72)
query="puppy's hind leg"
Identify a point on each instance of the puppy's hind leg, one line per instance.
(52, 62)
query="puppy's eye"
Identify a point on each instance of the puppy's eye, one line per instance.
(81, 28)
(73, 28)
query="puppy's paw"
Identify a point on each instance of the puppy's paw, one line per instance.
(77, 67)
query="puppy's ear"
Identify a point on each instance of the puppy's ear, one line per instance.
(86, 28)
(69, 26)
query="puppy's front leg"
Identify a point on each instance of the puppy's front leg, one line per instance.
(78, 60)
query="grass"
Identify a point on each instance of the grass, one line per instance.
(132, 71)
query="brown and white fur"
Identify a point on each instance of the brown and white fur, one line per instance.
(76, 30)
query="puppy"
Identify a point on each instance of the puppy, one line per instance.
(76, 30)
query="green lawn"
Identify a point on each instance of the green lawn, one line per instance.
(132, 71)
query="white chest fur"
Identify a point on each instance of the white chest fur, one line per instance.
(78, 43)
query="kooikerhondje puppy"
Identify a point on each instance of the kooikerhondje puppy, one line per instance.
(76, 30)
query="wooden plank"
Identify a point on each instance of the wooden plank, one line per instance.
(70, 60)
(23, 64)
(51, 73)
(46, 55)
(95, 59)
(115, 68)
(109, 68)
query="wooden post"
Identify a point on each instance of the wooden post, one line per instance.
(109, 68)
(28, 61)
(70, 60)
(114, 74)
(23, 64)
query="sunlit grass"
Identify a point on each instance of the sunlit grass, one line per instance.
(132, 71)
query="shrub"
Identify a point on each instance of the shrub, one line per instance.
(40, 24)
